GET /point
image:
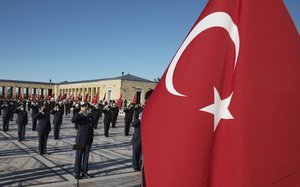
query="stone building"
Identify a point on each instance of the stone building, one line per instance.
(126, 85)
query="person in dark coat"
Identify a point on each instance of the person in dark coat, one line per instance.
(57, 121)
(34, 110)
(43, 128)
(7, 112)
(106, 119)
(100, 106)
(76, 109)
(84, 139)
(136, 144)
(114, 115)
(128, 110)
(22, 121)
(96, 113)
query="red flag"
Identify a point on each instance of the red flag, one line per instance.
(77, 97)
(120, 101)
(86, 97)
(232, 98)
(58, 98)
(70, 97)
(95, 99)
(134, 98)
(103, 99)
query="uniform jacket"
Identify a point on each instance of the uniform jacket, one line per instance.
(85, 132)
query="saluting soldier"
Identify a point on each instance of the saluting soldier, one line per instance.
(128, 117)
(84, 139)
(43, 128)
(114, 114)
(96, 113)
(107, 118)
(22, 121)
(76, 109)
(57, 121)
(34, 111)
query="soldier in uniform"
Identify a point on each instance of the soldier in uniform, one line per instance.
(84, 139)
(76, 109)
(22, 120)
(114, 114)
(57, 121)
(7, 112)
(107, 118)
(128, 110)
(136, 144)
(34, 111)
(96, 113)
(43, 128)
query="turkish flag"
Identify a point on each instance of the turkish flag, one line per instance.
(86, 97)
(120, 102)
(103, 99)
(227, 110)
(95, 99)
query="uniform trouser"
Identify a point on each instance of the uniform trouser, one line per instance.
(34, 122)
(76, 125)
(127, 128)
(43, 138)
(113, 123)
(12, 117)
(5, 124)
(56, 131)
(82, 160)
(21, 132)
(136, 155)
(106, 129)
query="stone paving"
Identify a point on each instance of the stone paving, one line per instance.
(109, 161)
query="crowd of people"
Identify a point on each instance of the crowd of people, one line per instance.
(85, 117)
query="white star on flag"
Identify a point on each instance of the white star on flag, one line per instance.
(219, 108)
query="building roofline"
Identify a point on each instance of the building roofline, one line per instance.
(27, 82)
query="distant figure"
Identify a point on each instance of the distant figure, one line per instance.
(114, 115)
(43, 128)
(76, 109)
(84, 139)
(7, 113)
(57, 121)
(107, 118)
(136, 144)
(34, 111)
(22, 121)
(128, 110)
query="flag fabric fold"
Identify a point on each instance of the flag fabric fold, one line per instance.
(226, 111)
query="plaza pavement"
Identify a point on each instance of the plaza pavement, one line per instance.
(109, 161)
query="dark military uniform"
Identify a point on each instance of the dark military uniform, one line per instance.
(84, 138)
(35, 110)
(43, 128)
(114, 116)
(75, 112)
(7, 113)
(96, 114)
(106, 120)
(57, 121)
(136, 145)
(22, 120)
(128, 118)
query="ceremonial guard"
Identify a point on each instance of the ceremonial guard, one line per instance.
(136, 144)
(84, 140)
(43, 128)
(114, 114)
(22, 120)
(34, 110)
(7, 112)
(76, 109)
(57, 121)
(107, 118)
(96, 113)
(128, 117)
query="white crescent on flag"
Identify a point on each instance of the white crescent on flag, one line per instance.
(217, 19)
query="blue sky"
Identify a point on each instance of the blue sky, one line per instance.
(81, 40)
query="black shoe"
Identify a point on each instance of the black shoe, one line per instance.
(77, 177)
(86, 176)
